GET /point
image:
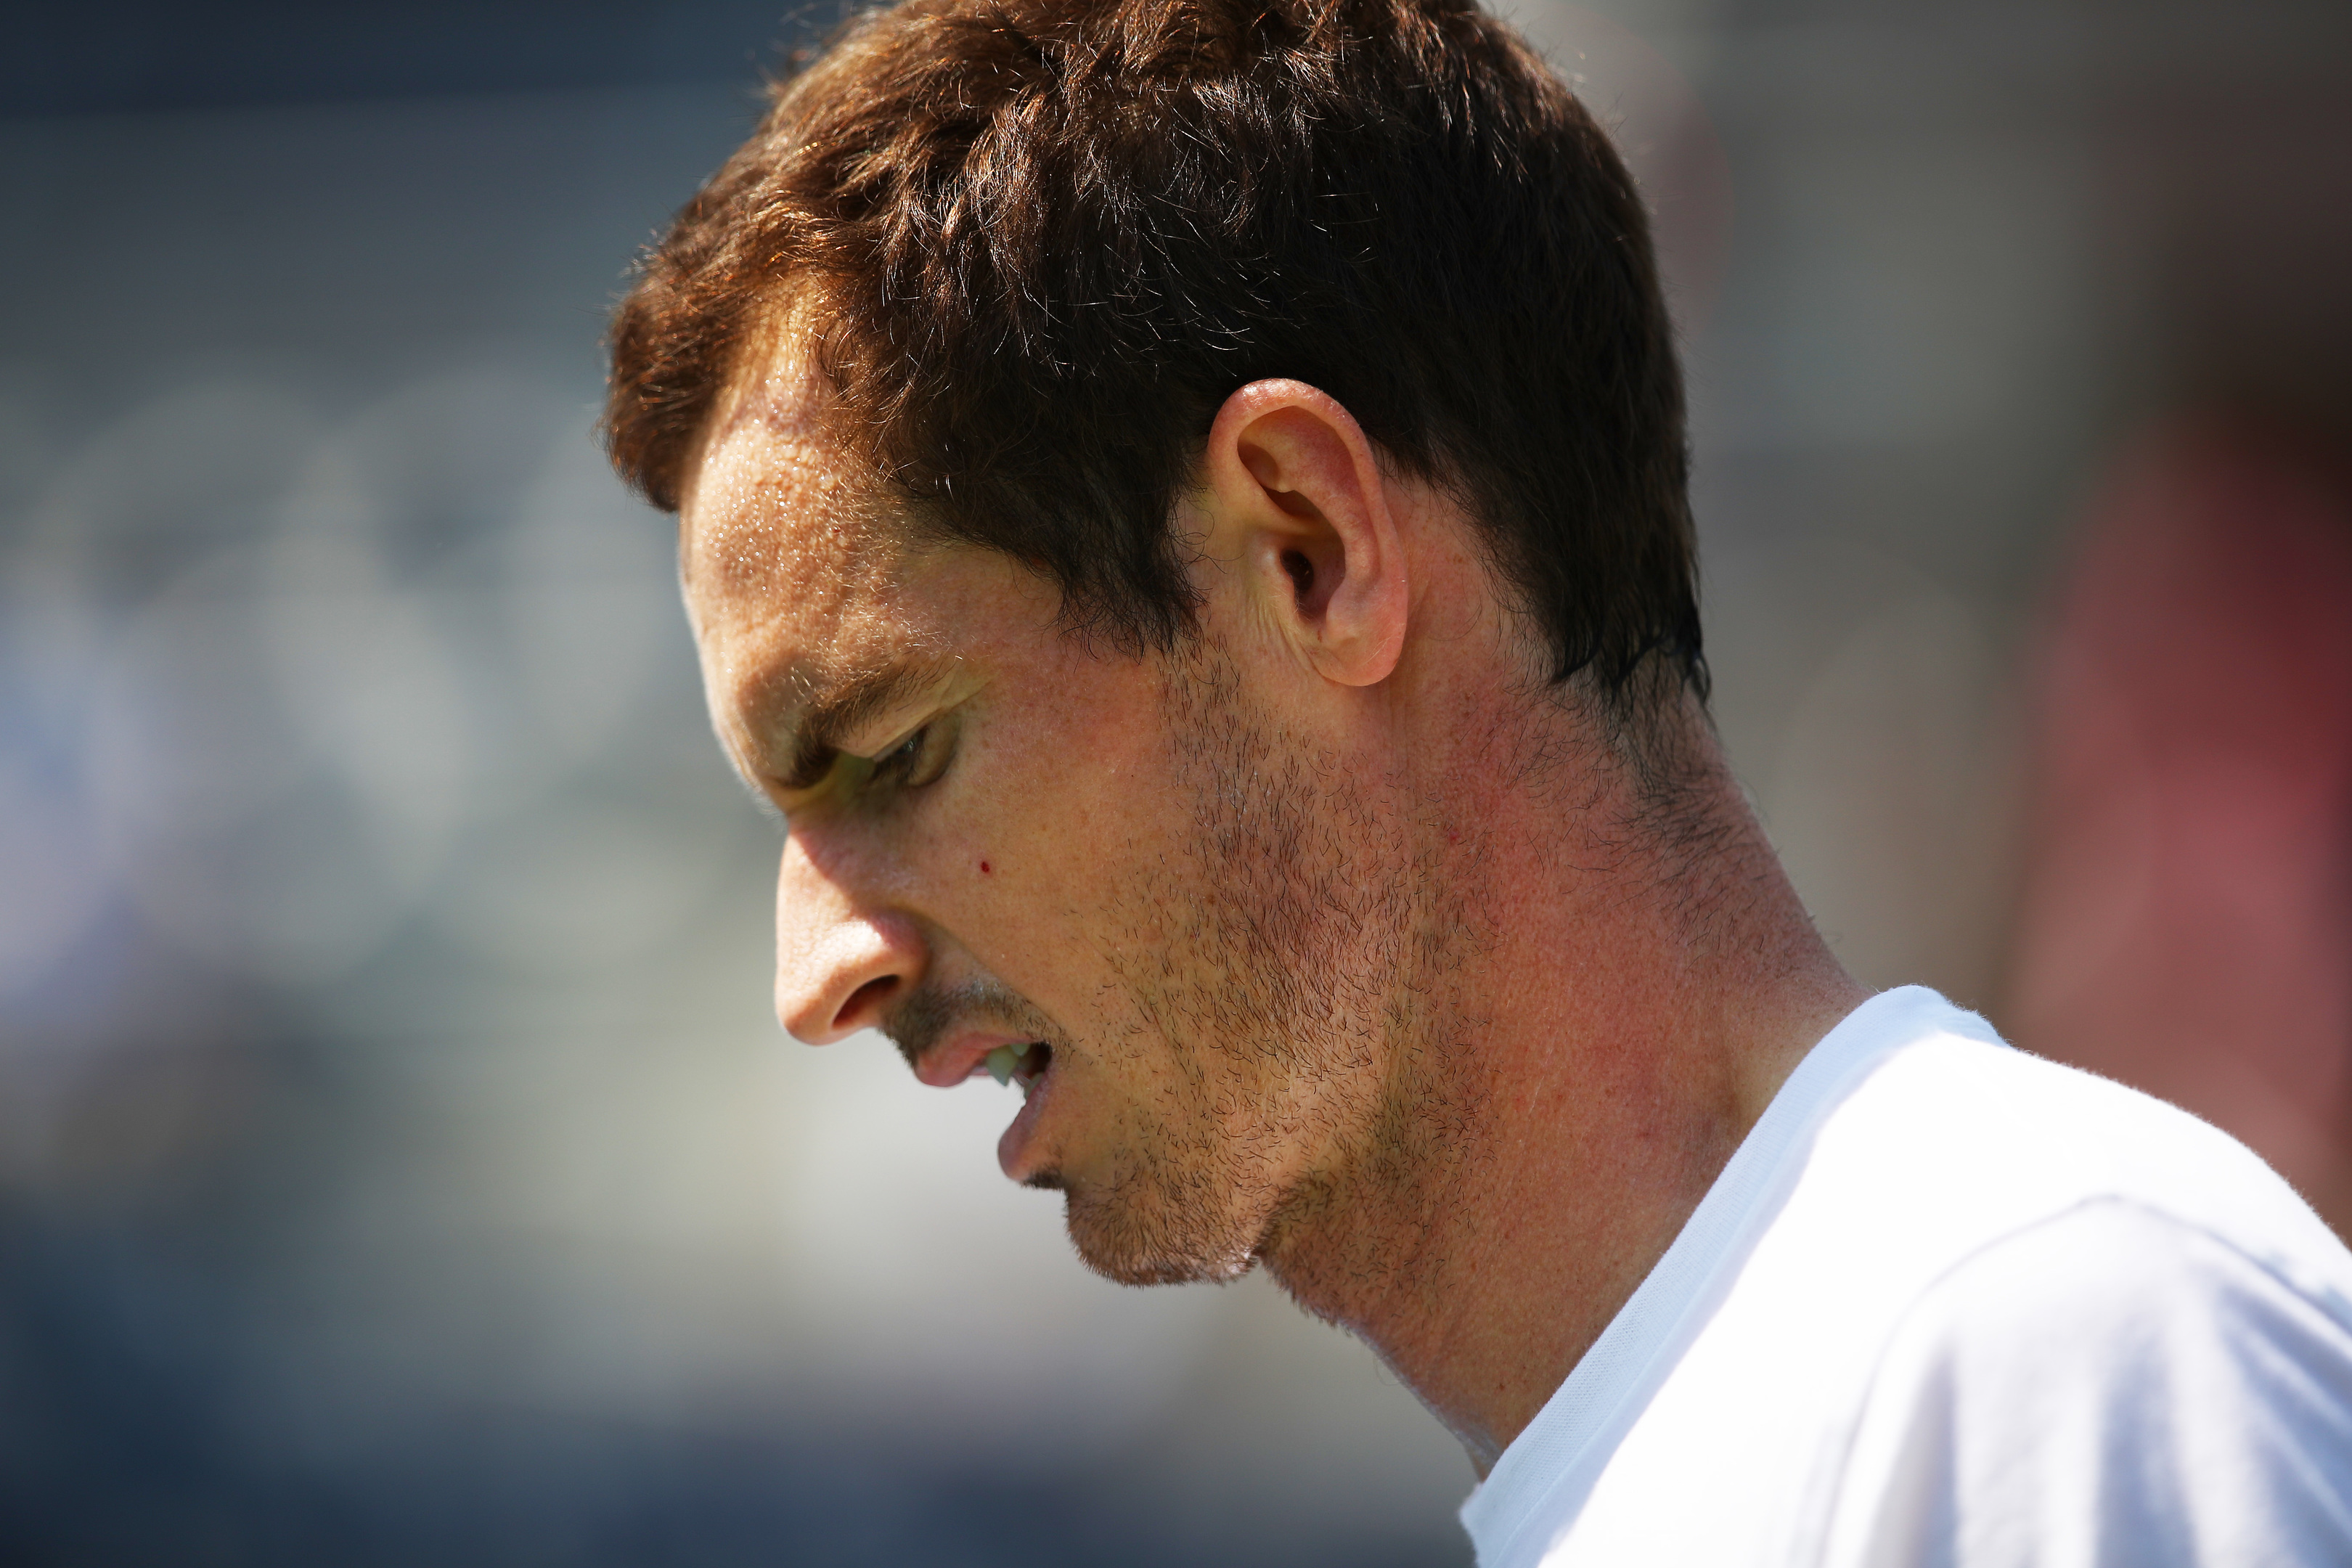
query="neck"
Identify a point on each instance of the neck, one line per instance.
(1584, 1073)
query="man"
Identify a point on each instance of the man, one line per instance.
(1181, 506)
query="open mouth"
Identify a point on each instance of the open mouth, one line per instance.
(1022, 1064)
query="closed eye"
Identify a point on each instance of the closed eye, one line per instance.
(918, 760)
(912, 762)
(892, 764)
(821, 771)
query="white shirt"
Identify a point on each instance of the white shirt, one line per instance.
(1951, 1304)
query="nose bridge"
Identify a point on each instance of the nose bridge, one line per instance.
(842, 957)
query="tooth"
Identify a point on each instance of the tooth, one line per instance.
(1002, 1061)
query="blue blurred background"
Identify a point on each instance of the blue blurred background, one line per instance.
(398, 1163)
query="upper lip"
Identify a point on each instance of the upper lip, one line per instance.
(957, 1056)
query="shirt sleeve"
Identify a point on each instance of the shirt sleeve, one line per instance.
(2111, 1388)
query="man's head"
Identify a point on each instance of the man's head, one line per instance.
(1142, 464)
(1044, 239)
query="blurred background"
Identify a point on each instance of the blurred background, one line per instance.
(398, 1163)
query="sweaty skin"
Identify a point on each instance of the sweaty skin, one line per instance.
(1352, 948)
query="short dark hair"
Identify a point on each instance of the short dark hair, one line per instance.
(1047, 238)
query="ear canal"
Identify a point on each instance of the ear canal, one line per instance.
(1302, 573)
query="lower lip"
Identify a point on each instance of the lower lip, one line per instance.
(1015, 1142)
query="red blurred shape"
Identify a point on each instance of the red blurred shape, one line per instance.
(2186, 924)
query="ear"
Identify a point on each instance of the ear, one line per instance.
(1295, 500)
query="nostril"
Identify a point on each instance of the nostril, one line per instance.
(864, 1004)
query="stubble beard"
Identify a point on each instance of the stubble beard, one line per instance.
(1283, 962)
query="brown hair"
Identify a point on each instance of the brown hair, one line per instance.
(1048, 237)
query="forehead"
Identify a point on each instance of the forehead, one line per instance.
(805, 581)
(770, 504)
(789, 557)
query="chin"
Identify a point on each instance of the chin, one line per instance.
(1154, 1243)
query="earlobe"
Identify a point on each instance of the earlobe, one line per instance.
(1297, 497)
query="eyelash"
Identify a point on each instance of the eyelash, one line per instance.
(916, 760)
(893, 763)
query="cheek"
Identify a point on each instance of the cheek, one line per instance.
(1063, 799)
(1096, 794)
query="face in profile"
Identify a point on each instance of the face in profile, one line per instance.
(1201, 930)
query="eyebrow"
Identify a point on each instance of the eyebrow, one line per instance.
(814, 735)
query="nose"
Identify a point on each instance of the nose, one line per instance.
(839, 965)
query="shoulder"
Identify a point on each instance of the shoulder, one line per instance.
(1968, 1183)
(2111, 1374)
(1977, 1140)
(2081, 1315)
(2112, 1284)
(1978, 1292)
